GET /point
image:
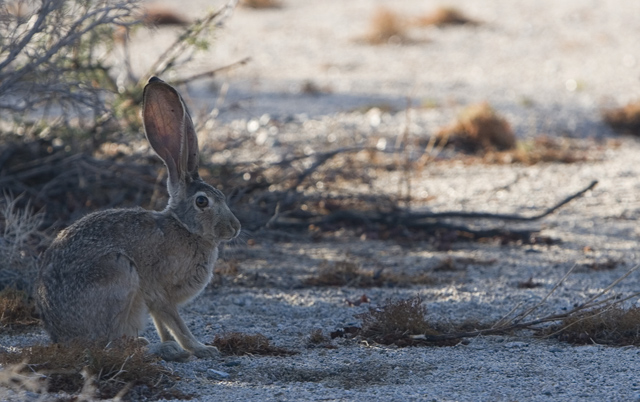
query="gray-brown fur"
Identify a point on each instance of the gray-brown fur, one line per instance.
(103, 275)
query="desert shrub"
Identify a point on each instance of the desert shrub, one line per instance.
(53, 53)
(58, 67)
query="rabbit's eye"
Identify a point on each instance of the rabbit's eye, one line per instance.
(202, 201)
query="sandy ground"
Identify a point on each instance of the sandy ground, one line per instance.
(549, 67)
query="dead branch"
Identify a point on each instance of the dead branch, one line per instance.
(68, 186)
(413, 220)
(504, 217)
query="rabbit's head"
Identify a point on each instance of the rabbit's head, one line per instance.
(170, 131)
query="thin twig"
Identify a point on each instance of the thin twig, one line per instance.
(608, 288)
(177, 48)
(211, 73)
(528, 312)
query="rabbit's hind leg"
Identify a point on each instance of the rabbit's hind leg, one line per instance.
(109, 305)
(125, 311)
(97, 300)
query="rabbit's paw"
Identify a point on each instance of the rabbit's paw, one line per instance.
(170, 351)
(206, 352)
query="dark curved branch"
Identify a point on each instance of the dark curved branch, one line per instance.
(420, 220)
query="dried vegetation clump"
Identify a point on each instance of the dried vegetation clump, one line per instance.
(609, 325)
(625, 119)
(401, 323)
(386, 26)
(260, 4)
(479, 129)
(240, 344)
(348, 273)
(90, 371)
(529, 284)
(542, 149)
(159, 16)
(18, 311)
(317, 339)
(445, 16)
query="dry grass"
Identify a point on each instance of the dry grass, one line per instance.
(385, 26)
(613, 326)
(445, 16)
(398, 323)
(21, 239)
(18, 311)
(239, 344)
(625, 119)
(317, 337)
(260, 4)
(543, 149)
(479, 129)
(347, 273)
(123, 369)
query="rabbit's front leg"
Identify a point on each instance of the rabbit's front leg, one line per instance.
(168, 318)
(168, 349)
(163, 332)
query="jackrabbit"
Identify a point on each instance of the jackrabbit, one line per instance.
(102, 275)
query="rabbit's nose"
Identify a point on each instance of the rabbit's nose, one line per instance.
(235, 227)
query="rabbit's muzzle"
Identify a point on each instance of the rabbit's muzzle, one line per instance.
(229, 228)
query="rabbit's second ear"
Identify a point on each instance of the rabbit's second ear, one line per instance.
(165, 121)
(193, 156)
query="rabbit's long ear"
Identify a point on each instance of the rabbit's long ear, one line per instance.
(170, 132)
